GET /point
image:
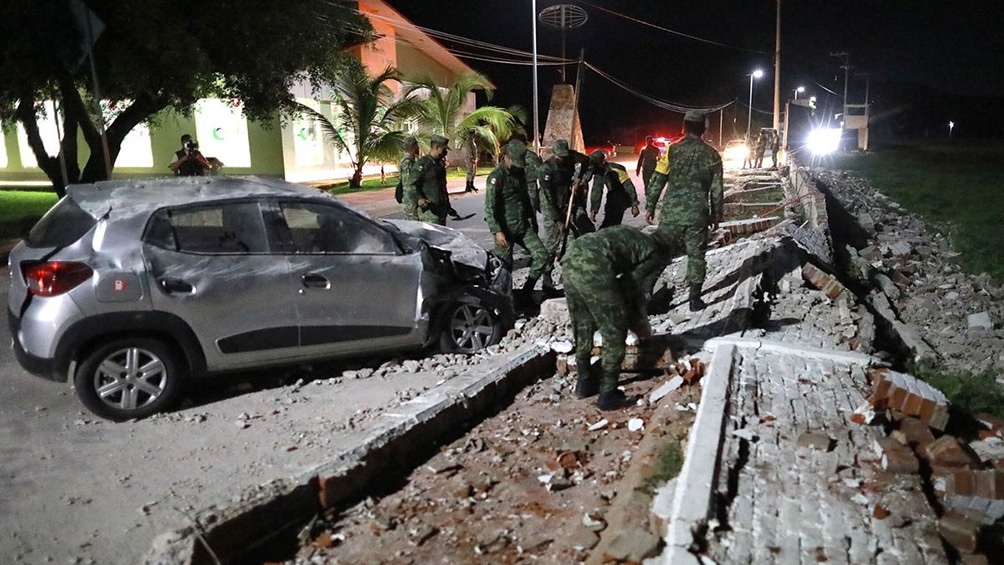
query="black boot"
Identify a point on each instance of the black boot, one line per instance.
(611, 397)
(588, 383)
(524, 296)
(695, 298)
(470, 187)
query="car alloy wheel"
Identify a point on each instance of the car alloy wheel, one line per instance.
(129, 378)
(470, 327)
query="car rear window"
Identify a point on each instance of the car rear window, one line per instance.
(64, 224)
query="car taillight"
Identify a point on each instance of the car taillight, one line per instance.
(54, 277)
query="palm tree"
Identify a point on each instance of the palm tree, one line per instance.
(440, 111)
(370, 117)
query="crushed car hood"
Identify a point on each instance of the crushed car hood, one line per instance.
(462, 249)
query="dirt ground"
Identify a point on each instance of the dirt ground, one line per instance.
(543, 481)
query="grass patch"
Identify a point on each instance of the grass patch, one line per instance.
(19, 210)
(666, 466)
(367, 184)
(971, 393)
(957, 187)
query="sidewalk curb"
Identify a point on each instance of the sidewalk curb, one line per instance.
(392, 444)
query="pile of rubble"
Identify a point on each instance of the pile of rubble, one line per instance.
(958, 315)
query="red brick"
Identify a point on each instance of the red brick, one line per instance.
(927, 407)
(973, 559)
(959, 530)
(901, 462)
(990, 421)
(948, 452)
(911, 404)
(918, 434)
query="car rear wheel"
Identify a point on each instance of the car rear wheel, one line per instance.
(469, 327)
(128, 378)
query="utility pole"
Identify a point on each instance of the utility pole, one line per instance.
(536, 119)
(777, 70)
(845, 57)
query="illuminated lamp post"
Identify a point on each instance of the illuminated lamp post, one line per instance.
(797, 90)
(749, 118)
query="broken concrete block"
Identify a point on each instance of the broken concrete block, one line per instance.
(961, 531)
(980, 320)
(633, 545)
(666, 388)
(819, 441)
(946, 451)
(554, 310)
(973, 559)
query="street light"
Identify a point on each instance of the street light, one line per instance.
(950, 126)
(797, 90)
(749, 118)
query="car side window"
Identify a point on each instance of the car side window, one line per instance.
(317, 228)
(225, 228)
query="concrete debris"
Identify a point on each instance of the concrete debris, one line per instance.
(959, 530)
(828, 284)
(666, 388)
(980, 320)
(947, 451)
(636, 424)
(896, 457)
(979, 492)
(599, 425)
(632, 545)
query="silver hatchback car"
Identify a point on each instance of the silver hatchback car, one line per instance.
(134, 286)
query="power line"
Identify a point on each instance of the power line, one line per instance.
(667, 30)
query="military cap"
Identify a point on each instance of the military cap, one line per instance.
(694, 116)
(560, 147)
(437, 139)
(598, 156)
(516, 150)
(410, 141)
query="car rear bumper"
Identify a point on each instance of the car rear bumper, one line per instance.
(38, 366)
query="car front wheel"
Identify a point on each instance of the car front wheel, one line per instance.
(469, 327)
(128, 378)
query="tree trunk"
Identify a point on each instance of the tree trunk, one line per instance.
(356, 180)
(142, 108)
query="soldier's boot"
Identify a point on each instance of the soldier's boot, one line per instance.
(695, 298)
(548, 286)
(611, 397)
(524, 296)
(470, 187)
(588, 383)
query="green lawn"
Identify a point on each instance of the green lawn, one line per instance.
(958, 187)
(19, 210)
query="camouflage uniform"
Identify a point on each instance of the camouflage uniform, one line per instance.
(532, 167)
(608, 277)
(693, 171)
(430, 184)
(409, 174)
(621, 193)
(508, 210)
(555, 180)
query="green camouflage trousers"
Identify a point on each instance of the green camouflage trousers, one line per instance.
(595, 302)
(431, 217)
(540, 259)
(690, 235)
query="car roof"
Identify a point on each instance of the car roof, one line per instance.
(136, 196)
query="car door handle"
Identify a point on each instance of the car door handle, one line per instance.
(176, 286)
(313, 280)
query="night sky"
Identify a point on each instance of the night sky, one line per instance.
(953, 47)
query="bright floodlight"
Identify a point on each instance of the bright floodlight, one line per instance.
(800, 89)
(824, 140)
(757, 73)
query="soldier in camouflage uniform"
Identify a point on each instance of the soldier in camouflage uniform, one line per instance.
(510, 215)
(532, 170)
(430, 185)
(409, 173)
(555, 180)
(608, 277)
(692, 169)
(621, 193)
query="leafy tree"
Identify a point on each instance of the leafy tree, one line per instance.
(441, 112)
(159, 54)
(370, 117)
